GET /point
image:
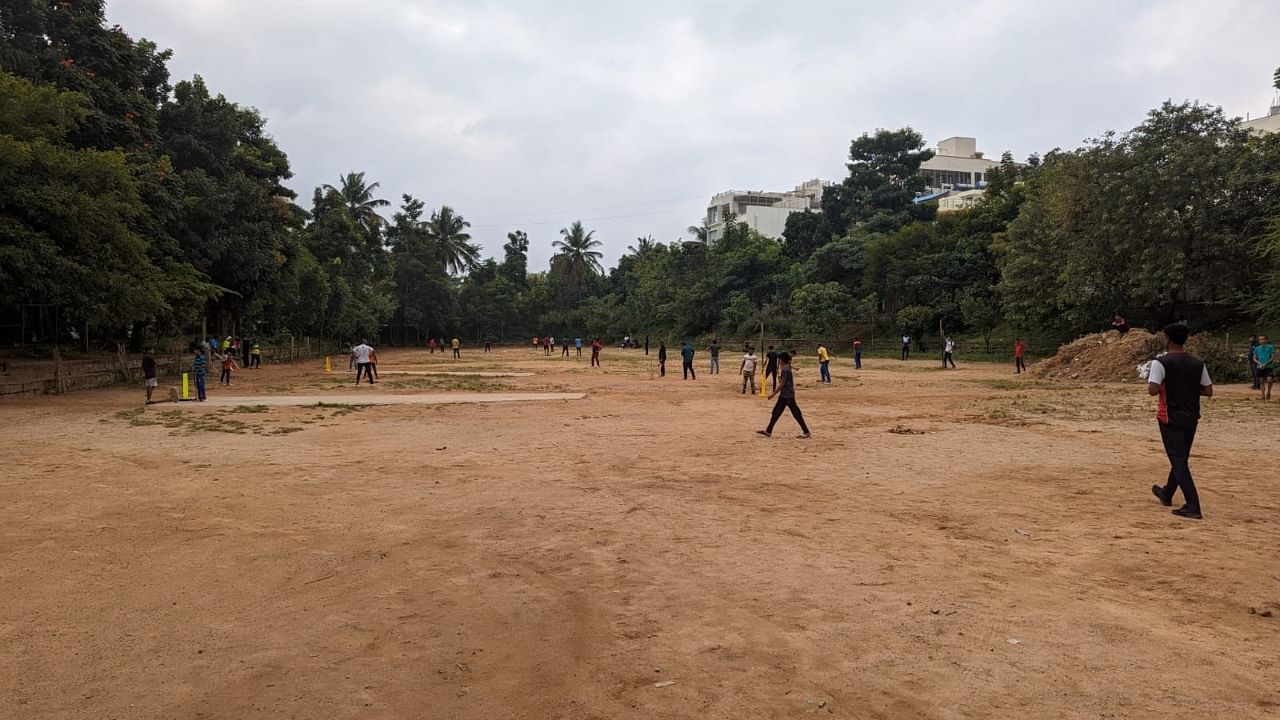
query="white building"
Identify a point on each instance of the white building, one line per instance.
(957, 165)
(765, 212)
(1269, 123)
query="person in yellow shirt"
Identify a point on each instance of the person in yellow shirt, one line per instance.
(457, 349)
(824, 362)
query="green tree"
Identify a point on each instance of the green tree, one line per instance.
(515, 264)
(577, 255)
(884, 180)
(358, 198)
(66, 217)
(981, 312)
(452, 242)
(821, 308)
(916, 321)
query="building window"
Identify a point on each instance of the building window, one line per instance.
(942, 178)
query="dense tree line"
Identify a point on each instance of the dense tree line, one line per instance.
(134, 203)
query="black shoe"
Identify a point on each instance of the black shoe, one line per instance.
(1187, 512)
(1159, 493)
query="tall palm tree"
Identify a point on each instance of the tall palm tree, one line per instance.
(577, 254)
(699, 232)
(452, 244)
(642, 246)
(358, 198)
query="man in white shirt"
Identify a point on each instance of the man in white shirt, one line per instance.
(906, 347)
(749, 371)
(361, 354)
(948, 348)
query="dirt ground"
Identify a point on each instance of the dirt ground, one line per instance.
(639, 553)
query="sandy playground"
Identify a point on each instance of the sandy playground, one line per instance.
(963, 544)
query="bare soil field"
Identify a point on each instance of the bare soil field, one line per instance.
(949, 544)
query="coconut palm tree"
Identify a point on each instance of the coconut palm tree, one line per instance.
(358, 198)
(447, 231)
(699, 232)
(642, 246)
(577, 253)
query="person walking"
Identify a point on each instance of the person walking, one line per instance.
(824, 363)
(686, 353)
(1264, 356)
(1179, 379)
(948, 349)
(546, 346)
(714, 349)
(771, 366)
(577, 344)
(1019, 365)
(361, 354)
(857, 353)
(749, 371)
(786, 394)
(228, 364)
(457, 348)
(200, 367)
(373, 363)
(149, 372)
(564, 348)
(255, 356)
(662, 358)
(595, 352)
(906, 347)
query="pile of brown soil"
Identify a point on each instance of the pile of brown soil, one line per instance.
(1102, 357)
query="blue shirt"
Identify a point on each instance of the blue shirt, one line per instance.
(578, 342)
(1263, 354)
(201, 365)
(687, 353)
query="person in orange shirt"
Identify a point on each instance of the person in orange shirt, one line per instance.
(1018, 364)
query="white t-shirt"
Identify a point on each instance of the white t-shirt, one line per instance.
(951, 346)
(748, 363)
(906, 339)
(1157, 374)
(362, 352)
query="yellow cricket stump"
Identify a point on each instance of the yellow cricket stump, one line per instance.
(762, 394)
(328, 364)
(186, 386)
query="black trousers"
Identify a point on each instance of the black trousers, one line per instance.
(225, 377)
(363, 369)
(783, 403)
(946, 358)
(1018, 364)
(457, 353)
(906, 351)
(662, 368)
(771, 371)
(1177, 445)
(255, 361)
(688, 370)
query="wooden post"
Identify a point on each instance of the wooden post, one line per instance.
(58, 378)
(124, 363)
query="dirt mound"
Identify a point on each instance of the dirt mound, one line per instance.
(1102, 357)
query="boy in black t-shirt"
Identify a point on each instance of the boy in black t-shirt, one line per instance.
(1179, 379)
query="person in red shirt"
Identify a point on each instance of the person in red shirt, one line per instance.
(595, 353)
(857, 353)
(431, 343)
(1018, 364)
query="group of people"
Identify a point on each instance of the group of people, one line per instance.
(454, 344)
(230, 354)
(548, 345)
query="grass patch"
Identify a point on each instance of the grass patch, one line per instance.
(338, 409)
(249, 409)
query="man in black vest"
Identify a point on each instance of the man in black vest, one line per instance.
(1179, 379)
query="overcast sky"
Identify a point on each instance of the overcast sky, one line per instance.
(533, 113)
